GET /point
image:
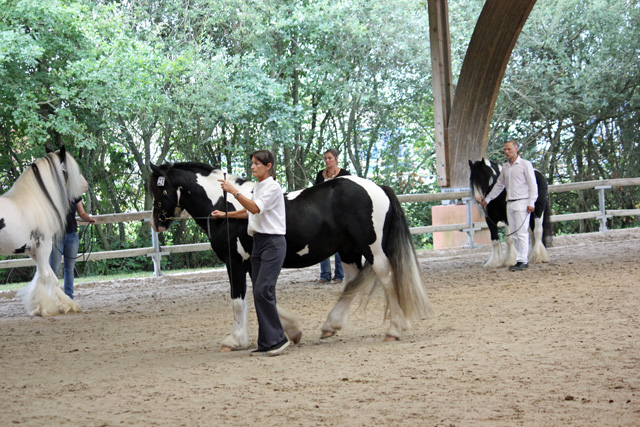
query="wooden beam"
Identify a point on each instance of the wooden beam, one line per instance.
(441, 75)
(486, 60)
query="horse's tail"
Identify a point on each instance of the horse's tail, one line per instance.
(398, 246)
(547, 226)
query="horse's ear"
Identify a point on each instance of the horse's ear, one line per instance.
(470, 164)
(63, 153)
(155, 169)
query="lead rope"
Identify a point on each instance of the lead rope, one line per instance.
(486, 216)
(84, 240)
(525, 220)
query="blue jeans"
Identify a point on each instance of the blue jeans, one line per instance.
(325, 269)
(67, 246)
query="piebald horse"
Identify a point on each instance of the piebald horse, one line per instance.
(349, 215)
(32, 213)
(484, 174)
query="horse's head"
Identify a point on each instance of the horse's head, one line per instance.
(75, 182)
(483, 175)
(166, 198)
(45, 189)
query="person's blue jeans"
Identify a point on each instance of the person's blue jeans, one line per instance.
(67, 246)
(325, 269)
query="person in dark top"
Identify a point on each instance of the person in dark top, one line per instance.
(67, 245)
(331, 171)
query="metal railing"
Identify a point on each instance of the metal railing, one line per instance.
(156, 251)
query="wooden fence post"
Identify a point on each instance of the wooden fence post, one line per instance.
(603, 211)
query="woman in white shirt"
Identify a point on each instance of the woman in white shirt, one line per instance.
(267, 224)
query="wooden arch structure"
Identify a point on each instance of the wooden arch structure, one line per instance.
(462, 120)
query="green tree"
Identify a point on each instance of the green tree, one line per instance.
(570, 95)
(39, 42)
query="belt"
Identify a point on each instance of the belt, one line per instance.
(515, 200)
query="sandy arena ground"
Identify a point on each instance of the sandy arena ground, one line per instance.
(557, 344)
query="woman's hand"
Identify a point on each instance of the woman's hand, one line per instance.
(218, 214)
(226, 186)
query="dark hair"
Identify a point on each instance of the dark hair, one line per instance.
(332, 151)
(265, 157)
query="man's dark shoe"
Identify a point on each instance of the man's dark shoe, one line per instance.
(274, 350)
(278, 348)
(258, 352)
(519, 266)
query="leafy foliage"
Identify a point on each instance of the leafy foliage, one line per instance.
(571, 96)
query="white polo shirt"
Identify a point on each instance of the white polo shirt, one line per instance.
(272, 218)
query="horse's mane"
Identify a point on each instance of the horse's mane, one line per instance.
(196, 167)
(43, 194)
(480, 170)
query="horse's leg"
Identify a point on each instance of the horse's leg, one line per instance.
(510, 255)
(290, 324)
(495, 260)
(339, 314)
(350, 271)
(43, 296)
(65, 303)
(35, 296)
(538, 253)
(239, 337)
(398, 322)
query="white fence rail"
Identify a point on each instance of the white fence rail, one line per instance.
(156, 251)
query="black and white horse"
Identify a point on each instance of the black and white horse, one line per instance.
(484, 174)
(349, 215)
(32, 213)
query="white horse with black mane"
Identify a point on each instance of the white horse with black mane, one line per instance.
(349, 215)
(32, 213)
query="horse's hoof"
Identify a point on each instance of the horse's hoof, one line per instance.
(295, 338)
(47, 313)
(327, 334)
(225, 349)
(390, 338)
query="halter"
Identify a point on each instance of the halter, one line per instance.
(163, 216)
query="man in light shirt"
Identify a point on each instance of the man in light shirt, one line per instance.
(519, 180)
